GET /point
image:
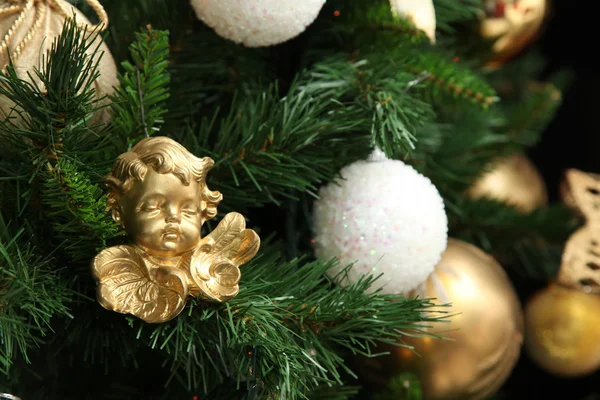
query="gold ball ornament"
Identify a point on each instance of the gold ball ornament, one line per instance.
(515, 180)
(485, 330)
(512, 25)
(28, 30)
(562, 331)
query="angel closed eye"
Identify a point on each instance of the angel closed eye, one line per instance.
(191, 211)
(150, 207)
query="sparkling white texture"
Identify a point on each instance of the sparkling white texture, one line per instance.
(383, 217)
(257, 23)
(421, 12)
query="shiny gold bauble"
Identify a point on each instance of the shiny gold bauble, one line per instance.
(562, 331)
(512, 25)
(515, 180)
(485, 335)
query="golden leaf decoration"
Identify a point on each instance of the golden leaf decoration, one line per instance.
(126, 284)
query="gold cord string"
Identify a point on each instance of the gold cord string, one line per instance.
(96, 6)
(40, 14)
(10, 10)
(23, 7)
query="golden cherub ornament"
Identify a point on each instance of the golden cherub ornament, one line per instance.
(160, 197)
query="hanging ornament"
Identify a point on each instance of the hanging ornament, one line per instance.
(385, 218)
(512, 25)
(420, 12)
(29, 27)
(481, 341)
(258, 23)
(514, 180)
(159, 196)
(562, 331)
(563, 320)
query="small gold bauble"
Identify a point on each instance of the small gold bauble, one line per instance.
(562, 331)
(514, 180)
(512, 25)
(485, 334)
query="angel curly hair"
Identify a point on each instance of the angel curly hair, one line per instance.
(165, 156)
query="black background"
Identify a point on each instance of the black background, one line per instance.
(569, 40)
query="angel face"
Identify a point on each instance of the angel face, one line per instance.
(162, 215)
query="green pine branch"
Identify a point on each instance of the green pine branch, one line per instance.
(139, 103)
(209, 82)
(268, 145)
(76, 208)
(285, 331)
(405, 386)
(530, 114)
(334, 392)
(31, 295)
(53, 116)
(448, 79)
(127, 18)
(449, 13)
(529, 244)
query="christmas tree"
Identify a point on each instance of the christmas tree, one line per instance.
(368, 223)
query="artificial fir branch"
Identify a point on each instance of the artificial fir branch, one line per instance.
(530, 116)
(334, 392)
(53, 116)
(405, 386)
(554, 224)
(77, 210)
(269, 144)
(446, 76)
(139, 102)
(528, 244)
(295, 320)
(31, 295)
(210, 84)
(449, 13)
(176, 16)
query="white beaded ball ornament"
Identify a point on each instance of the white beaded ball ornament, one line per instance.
(384, 218)
(257, 23)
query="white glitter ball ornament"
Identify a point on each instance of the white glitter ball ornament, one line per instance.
(384, 218)
(257, 23)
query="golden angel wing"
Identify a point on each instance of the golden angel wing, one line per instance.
(233, 241)
(128, 286)
(215, 265)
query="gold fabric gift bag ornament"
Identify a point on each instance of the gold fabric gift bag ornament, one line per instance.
(160, 197)
(29, 27)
